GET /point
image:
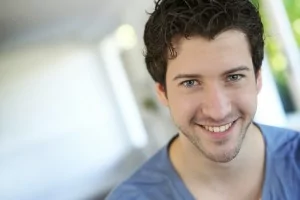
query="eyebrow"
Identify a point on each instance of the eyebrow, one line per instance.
(187, 76)
(195, 76)
(240, 68)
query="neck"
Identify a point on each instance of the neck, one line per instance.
(192, 166)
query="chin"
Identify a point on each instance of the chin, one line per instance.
(223, 157)
(222, 154)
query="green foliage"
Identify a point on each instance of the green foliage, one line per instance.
(293, 12)
(275, 52)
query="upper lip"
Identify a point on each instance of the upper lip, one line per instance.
(218, 125)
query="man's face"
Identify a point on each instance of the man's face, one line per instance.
(212, 93)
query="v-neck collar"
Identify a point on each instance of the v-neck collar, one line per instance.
(186, 194)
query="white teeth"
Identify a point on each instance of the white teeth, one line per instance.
(218, 129)
(223, 128)
(228, 125)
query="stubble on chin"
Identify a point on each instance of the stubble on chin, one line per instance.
(223, 157)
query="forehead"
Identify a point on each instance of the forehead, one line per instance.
(197, 54)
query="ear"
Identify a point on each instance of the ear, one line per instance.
(258, 81)
(161, 94)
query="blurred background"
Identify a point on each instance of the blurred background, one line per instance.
(78, 112)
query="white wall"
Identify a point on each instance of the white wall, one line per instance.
(59, 123)
(269, 110)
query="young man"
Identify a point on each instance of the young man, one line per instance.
(205, 57)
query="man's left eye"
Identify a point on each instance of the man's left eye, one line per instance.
(234, 77)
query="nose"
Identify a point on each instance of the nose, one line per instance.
(216, 103)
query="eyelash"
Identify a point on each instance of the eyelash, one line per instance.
(195, 82)
(240, 76)
(185, 82)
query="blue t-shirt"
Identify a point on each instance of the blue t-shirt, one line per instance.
(158, 180)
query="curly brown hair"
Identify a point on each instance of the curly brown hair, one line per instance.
(205, 18)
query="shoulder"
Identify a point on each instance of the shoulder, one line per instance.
(277, 138)
(282, 162)
(150, 181)
(127, 191)
(282, 142)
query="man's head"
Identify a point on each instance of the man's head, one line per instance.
(173, 19)
(205, 57)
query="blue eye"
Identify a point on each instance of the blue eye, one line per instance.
(234, 77)
(189, 83)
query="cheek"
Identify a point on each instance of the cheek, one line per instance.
(245, 102)
(183, 106)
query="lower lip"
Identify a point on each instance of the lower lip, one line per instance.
(220, 135)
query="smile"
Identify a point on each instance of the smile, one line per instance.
(218, 129)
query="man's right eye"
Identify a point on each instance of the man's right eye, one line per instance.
(189, 83)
